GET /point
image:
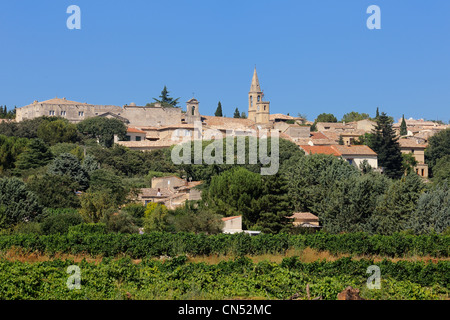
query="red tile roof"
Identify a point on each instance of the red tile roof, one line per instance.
(320, 149)
(135, 130)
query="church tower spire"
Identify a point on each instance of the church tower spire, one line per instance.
(258, 110)
(255, 83)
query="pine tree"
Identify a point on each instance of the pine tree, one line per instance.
(236, 113)
(218, 112)
(165, 100)
(403, 128)
(385, 143)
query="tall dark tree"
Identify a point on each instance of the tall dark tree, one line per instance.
(67, 164)
(403, 127)
(341, 140)
(218, 112)
(36, 155)
(275, 205)
(165, 100)
(385, 143)
(377, 114)
(243, 115)
(236, 113)
(17, 204)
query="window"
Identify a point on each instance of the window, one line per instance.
(350, 161)
(63, 113)
(193, 110)
(138, 138)
(127, 138)
(51, 113)
(259, 98)
(264, 108)
(80, 113)
(251, 101)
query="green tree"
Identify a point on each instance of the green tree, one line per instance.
(60, 221)
(68, 164)
(438, 147)
(57, 131)
(377, 114)
(385, 143)
(120, 222)
(236, 113)
(354, 116)
(17, 203)
(403, 127)
(55, 191)
(350, 204)
(274, 205)
(103, 179)
(156, 217)
(408, 163)
(341, 140)
(441, 170)
(310, 179)
(199, 221)
(103, 129)
(36, 155)
(364, 139)
(10, 149)
(326, 117)
(243, 115)
(235, 192)
(395, 207)
(96, 204)
(67, 147)
(218, 112)
(433, 211)
(165, 100)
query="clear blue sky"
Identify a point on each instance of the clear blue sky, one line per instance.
(312, 56)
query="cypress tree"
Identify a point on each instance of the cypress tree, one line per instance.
(403, 128)
(385, 143)
(341, 140)
(218, 112)
(377, 115)
(236, 113)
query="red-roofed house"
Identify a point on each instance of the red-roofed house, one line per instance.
(355, 155)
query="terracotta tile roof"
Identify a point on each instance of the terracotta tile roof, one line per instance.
(320, 149)
(228, 123)
(354, 150)
(135, 130)
(230, 218)
(318, 135)
(280, 116)
(60, 101)
(411, 143)
(338, 150)
(304, 216)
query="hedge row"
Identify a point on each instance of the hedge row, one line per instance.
(168, 244)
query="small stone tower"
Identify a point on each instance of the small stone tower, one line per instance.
(192, 112)
(258, 110)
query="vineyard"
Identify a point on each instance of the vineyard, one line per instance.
(235, 279)
(118, 276)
